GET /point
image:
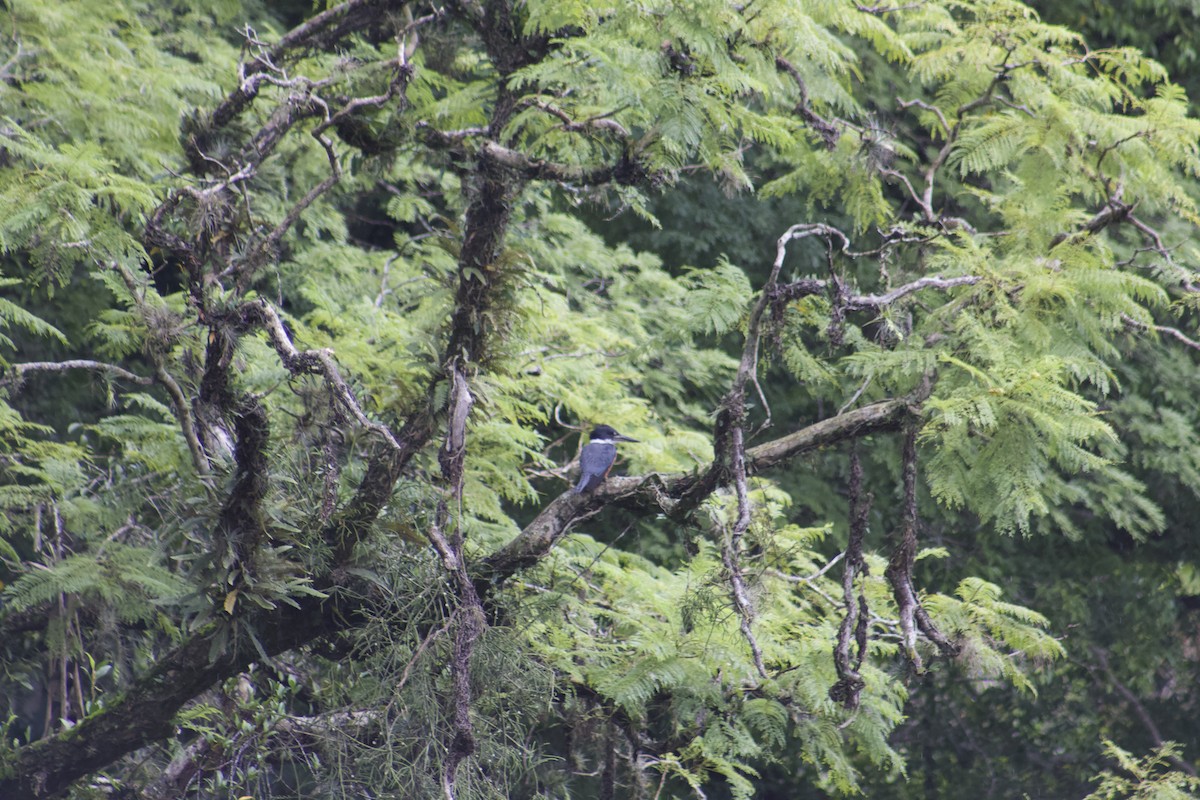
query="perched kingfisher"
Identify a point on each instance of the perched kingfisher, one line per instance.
(596, 460)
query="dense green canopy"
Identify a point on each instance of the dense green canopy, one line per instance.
(306, 312)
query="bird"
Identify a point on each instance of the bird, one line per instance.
(597, 458)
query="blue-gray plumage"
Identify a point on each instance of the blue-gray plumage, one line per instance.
(597, 457)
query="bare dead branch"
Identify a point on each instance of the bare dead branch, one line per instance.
(320, 362)
(877, 302)
(732, 546)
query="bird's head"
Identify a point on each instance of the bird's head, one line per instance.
(608, 434)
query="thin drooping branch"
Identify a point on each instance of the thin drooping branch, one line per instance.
(1138, 708)
(913, 616)
(179, 403)
(1165, 330)
(848, 688)
(469, 620)
(732, 547)
(184, 414)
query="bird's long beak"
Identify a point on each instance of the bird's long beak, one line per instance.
(620, 437)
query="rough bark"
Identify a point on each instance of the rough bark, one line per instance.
(144, 713)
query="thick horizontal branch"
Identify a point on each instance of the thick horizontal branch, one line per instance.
(667, 491)
(19, 370)
(876, 302)
(885, 415)
(626, 171)
(144, 713)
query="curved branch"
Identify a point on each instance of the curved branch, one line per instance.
(316, 361)
(319, 31)
(670, 491)
(19, 370)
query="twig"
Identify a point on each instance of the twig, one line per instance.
(776, 573)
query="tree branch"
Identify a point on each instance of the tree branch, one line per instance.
(828, 132)
(848, 688)
(1139, 710)
(626, 171)
(321, 30)
(540, 536)
(1174, 333)
(18, 370)
(315, 361)
(913, 615)
(143, 714)
(877, 302)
